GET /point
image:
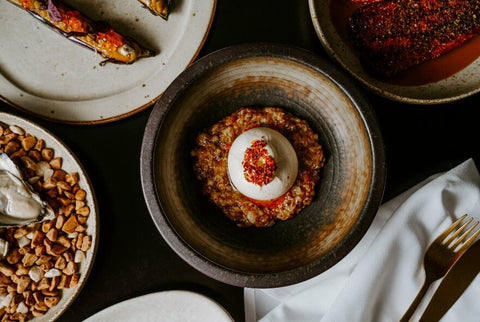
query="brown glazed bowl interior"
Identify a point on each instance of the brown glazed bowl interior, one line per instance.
(348, 193)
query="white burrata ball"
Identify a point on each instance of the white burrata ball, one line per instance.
(279, 148)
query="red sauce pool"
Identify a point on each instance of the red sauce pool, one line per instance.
(429, 72)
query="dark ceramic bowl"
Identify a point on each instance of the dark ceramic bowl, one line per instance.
(347, 195)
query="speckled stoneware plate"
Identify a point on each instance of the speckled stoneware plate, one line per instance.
(418, 88)
(347, 195)
(70, 164)
(45, 74)
(167, 306)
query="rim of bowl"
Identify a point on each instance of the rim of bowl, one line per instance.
(170, 96)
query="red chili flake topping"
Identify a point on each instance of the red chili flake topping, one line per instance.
(258, 165)
(111, 39)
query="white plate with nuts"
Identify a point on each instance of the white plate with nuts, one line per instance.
(46, 264)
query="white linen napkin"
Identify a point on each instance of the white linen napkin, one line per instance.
(381, 276)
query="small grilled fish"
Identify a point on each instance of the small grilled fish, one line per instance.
(159, 7)
(95, 35)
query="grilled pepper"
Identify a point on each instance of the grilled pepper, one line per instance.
(159, 7)
(98, 36)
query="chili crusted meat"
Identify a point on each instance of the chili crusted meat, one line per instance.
(98, 36)
(210, 165)
(395, 35)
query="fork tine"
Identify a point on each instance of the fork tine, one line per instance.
(469, 241)
(450, 229)
(458, 231)
(464, 235)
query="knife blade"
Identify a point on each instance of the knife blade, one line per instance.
(453, 284)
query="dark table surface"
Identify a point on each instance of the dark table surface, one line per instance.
(134, 260)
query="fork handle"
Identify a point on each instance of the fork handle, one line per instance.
(406, 317)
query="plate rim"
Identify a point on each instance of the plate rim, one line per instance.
(88, 183)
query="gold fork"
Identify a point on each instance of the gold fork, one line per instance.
(442, 254)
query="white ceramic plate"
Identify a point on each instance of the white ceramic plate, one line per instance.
(168, 306)
(52, 77)
(70, 164)
(462, 84)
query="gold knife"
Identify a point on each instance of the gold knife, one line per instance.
(453, 284)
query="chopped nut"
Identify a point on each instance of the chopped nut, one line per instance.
(53, 284)
(80, 195)
(41, 306)
(47, 154)
(74, 280)
(40, 250)
(22, 308)
(35, 155)
(6, 269)
(51, 301)
(52, 234)
(38, 237)
(29, 299)
(72, 178)
(40, 145)
(60, 221)
(44, 283)
(36, 273)
(79, 204)
(43, 259)
(50, 183)
(44, 170)
(14, 256)
(57, 249)
(80, 229)
(20, 232)
(70, 225)
(79, 256)
(11, 147)
(16, 129)
(23, 283)
(29, 142)
(47, 225)
(63, 186)
(23, 241)
(64, 281)
(64, 241)
(29, 259)
(68, 255)
(52, 273)
(7, 300)
(5, 281)
(22, 270)
(29, 163)
(64, 201)
(69, 195)
(84, 211)
(56, 163)
(67, 211)
(61, 263)
(25, 249)
(59, 174)
(70, 269)
(82, 219)
(86, 243)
